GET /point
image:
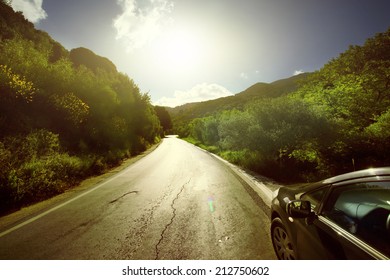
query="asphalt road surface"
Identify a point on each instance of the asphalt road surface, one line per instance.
(178, 202)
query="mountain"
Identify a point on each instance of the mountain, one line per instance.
(238, 101)
(13, 24)
(86, 57)
(274, 89)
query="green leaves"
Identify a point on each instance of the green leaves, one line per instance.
(72, 108)
(14, 87)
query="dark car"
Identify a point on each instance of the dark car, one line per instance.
(344, 217)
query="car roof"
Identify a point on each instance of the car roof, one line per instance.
(366, 173)
(356, 175)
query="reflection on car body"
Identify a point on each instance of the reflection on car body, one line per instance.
(344, 217)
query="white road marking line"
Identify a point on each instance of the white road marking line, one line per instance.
(61, 205)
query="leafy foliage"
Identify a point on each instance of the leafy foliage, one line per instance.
(63, 115)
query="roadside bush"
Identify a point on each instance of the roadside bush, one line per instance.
(235, 157)
(42, 178)
(32, 168)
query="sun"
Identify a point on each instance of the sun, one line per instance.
(179, 49)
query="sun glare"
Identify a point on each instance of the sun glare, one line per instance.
(179, 50)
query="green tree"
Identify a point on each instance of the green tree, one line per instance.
(353, 91)
(16, 94)
(164, 118)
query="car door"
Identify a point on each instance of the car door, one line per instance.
(357, 216)
(314, 239)
(353, 222)
(338, 243)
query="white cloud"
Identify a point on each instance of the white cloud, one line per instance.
(200, 92)
(137, 25)
(31, 9)
(297, 72)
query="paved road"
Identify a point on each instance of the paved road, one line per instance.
(178, 202)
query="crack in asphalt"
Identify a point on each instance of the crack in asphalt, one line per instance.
(145, 220)
(115, 200)
(171, 221)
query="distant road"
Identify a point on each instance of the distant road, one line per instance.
(179, 202)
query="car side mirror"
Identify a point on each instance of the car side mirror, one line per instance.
(299, 209)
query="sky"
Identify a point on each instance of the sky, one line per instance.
(181, 51)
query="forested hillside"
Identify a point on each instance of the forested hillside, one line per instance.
(63, 114)
(337, 120)
(183, 114)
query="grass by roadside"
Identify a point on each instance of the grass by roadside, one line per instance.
(246, 161)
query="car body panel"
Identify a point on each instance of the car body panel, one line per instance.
(320, 237)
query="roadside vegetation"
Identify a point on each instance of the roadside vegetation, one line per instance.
(336, 120)
(64, 115)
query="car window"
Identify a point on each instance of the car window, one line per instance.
(315, 197)
(364, 210)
